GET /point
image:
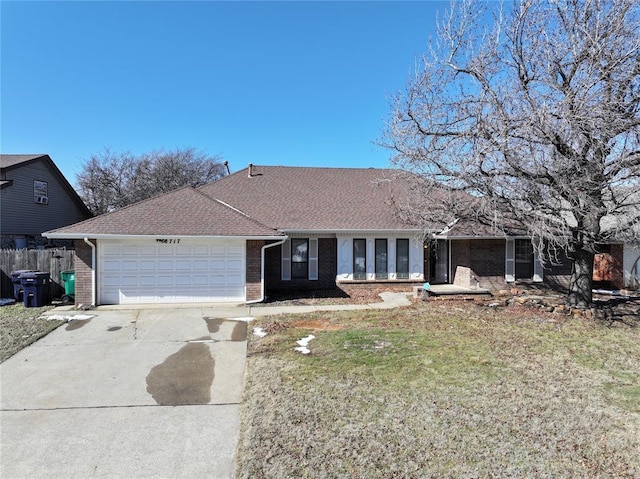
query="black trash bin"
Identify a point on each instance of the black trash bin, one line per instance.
(17, 283)
(35, 288)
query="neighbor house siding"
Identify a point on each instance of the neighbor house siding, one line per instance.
(253, 273)
(22, 216)
(327, 253)
(82, 267)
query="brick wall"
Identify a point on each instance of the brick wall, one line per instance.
(460, 254)
(327, 269)
(558, 276)
(82, 267)
(253, 269)
(484, 257)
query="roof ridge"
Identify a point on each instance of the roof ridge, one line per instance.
(232, 208)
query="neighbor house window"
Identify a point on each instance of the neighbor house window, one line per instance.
(381, 259)
(402, 259)
(40, 192)
(299, 258)
(359, 259)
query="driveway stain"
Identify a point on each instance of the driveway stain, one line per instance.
(76, 324)
(185, 377)
(213, 324)
(239, 332)
(114, 328)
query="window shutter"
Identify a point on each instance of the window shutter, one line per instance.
(286, 261)
(313, 258)
(538, 269)
(510, 262)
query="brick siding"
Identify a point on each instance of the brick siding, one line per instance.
(327, 269)
(253, 269)
(485, 258)
(82, 267)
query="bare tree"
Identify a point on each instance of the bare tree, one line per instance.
(536, 115)
(112, 180)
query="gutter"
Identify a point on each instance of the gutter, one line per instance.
(93, 271)
(261, 299)
(152, 237)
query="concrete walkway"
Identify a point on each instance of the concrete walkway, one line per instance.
(390, 300)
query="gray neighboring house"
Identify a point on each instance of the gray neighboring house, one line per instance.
(35, 197)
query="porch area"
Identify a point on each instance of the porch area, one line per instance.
(449, 290)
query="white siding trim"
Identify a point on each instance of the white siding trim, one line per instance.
(538, 268)
(510, 261)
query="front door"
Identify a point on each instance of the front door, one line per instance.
(439, 261)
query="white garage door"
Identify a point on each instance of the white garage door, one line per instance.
(171, 271)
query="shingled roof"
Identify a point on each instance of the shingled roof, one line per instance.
(10, 162)
(183, 212)
(314, 199)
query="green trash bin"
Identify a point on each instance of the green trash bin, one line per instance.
(69, 280)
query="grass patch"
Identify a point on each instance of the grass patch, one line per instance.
(20, 326)
(450, 390)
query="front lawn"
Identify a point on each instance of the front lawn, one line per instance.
(20, 326)
(442, 390)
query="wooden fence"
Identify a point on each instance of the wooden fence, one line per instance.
(52, 261)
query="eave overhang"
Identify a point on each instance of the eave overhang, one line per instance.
(158, 236)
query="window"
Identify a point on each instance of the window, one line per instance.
(40, 192)
(524, 259)
(299, 258)
(381, 259)
(359, 259)
(402, 259)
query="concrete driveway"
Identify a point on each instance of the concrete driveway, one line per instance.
(126, 393)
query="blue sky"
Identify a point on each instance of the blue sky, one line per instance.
(273, 83)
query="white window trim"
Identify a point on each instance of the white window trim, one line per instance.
(285, 270)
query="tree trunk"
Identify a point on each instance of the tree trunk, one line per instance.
(580, 291)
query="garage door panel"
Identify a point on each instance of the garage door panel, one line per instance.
(165, 265)
(128, 250)
(137, 271)
(129, 265)
(200, 266)
(200, 280)
(147, 250)
(183, 265)
(235, 264)
(147, 265)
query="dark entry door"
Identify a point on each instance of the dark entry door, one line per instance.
(439, 259)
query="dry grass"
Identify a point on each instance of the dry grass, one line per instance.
(20, 326)
(447, 390)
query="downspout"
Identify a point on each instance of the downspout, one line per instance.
(93, 271)
(262, 255)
